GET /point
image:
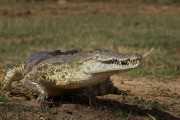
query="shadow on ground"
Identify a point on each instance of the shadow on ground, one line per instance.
(114, 107)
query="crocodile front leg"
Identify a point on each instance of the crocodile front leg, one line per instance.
(37, 88)
(92, 92)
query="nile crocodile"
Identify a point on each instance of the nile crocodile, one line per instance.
(58, 73)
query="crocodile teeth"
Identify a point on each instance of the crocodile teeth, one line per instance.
(124, 62)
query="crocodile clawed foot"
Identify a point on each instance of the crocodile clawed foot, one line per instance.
(92, 101)
(42, 99)
(8, 93)
(93, 104)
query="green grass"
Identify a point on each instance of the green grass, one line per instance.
(19, 111)
(3, 99)
(140, 32)
(21, 36)
(160, 73)
(151, 104)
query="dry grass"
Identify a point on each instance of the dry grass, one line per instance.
(87, 26)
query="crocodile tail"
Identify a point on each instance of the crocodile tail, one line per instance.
(113, 89)
(107, 87)
(14, 73)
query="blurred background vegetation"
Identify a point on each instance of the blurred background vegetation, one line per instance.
(117, 1)
(28, 26)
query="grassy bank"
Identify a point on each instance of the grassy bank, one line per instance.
(47, 28)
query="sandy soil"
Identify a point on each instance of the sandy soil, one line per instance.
(141, 99)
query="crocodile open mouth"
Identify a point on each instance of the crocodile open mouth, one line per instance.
(122, 62)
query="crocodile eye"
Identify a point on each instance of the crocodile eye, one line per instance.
(99, 51)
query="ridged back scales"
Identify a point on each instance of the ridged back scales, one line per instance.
(36, 58)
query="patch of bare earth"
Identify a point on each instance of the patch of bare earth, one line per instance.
(141, 99)
(165, 93)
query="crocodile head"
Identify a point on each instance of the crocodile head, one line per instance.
(106, 61)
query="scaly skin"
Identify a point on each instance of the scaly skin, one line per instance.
(58, 73)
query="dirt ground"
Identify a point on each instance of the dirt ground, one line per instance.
(141, 99)
(144, 98)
